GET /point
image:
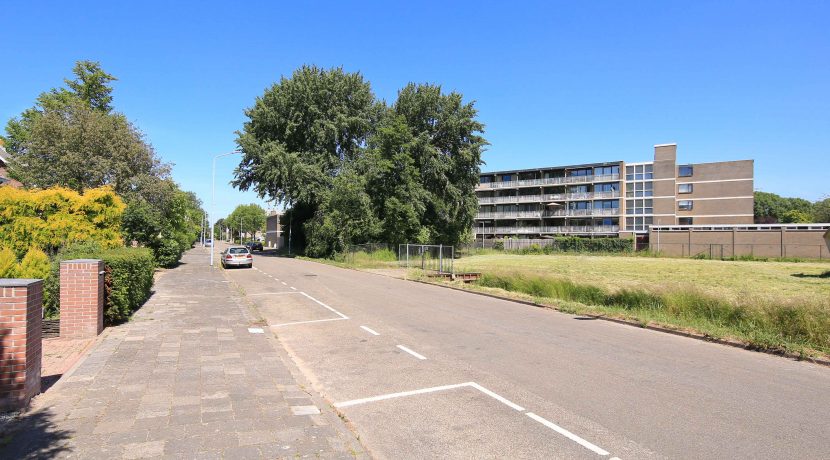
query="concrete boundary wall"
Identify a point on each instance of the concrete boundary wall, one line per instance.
(807, 241)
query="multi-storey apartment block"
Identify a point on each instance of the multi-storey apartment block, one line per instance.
(614, 198)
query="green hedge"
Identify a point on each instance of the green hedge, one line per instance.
(576, 244)
(128, 279)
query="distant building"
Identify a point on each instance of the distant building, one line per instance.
(273, 230)
(4, 177)
(613, 198)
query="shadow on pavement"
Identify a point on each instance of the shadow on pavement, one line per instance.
(33, 435)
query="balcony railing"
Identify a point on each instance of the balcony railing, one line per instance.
(533, 230)
(541, 214)
(547, 197)
(549, 181)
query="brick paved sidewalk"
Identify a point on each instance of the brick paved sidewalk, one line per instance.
(183, 379)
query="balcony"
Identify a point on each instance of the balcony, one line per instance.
(555, 230)
(541, 214)
(547, 198)
(548, 181)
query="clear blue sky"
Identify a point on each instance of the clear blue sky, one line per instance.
(555, 83)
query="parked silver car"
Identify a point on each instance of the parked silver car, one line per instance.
(237, 256)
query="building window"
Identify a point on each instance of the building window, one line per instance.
(685, 205)
(506, 178)
(485, 179)
(685, 188)
(684, 221)
(685, 171)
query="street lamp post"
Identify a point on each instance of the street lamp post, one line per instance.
(213, 200)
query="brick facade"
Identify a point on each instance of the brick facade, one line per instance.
(21, 313)
(82, 298)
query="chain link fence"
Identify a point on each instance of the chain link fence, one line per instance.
(749, 251)
(428, 257)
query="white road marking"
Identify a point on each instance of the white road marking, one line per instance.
(369, 330)
(355, 402)
(306, 322)
(292, 287)
(614, 458)
(274, 293)
(501, 399)
(284, 283)
(568, 434)
(256, 330)
(419, 356)
(325, 306)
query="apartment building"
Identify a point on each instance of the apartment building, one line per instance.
(613, 198)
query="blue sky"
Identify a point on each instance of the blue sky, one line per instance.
(555, 83)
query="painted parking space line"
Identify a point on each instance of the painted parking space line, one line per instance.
(417, 355)
(355, 402)
(547, 423)
(369, 330)
(568, 434)
(274, 293)
(307, 322)
(325, 306)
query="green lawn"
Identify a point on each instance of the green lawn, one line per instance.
(770, 305)
(728, 279)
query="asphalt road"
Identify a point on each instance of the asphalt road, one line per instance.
(500, 379)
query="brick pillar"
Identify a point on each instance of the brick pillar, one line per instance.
(82, 298)
(21, 314)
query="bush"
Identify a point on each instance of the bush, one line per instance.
(49, 219)
(8, 263)
(127, 282)
(35, 264)
(499, 245)
(168, 252)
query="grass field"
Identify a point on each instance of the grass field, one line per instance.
(771, 305)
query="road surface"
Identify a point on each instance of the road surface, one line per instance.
(427, 372)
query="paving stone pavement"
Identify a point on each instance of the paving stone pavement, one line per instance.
(183, 379)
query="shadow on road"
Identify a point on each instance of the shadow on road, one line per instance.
(812, 275)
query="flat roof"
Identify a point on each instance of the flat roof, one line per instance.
(586, 165)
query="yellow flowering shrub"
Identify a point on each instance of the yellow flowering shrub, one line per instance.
(51, 218)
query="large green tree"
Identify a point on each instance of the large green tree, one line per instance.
(357, 170)
(72, 137)
(246, 218)
(301, 132)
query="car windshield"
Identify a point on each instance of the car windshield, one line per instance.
(237, 251)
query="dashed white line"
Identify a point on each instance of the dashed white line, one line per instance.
(292, 287)
(568, 434)
(417, 355)
(284, 283)
(369, 330)
(256, 330)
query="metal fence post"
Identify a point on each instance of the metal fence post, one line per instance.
(440, 258)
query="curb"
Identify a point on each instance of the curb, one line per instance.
(652, 327)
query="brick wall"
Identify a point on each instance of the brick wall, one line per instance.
(82, 298)
(21, 312)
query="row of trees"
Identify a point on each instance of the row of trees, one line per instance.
(353, 169)
(245, 219)
(772, 208)
(72, 137)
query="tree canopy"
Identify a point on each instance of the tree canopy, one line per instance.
(246, 218)
(772, 208)
(72, 137)
(359, 170)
